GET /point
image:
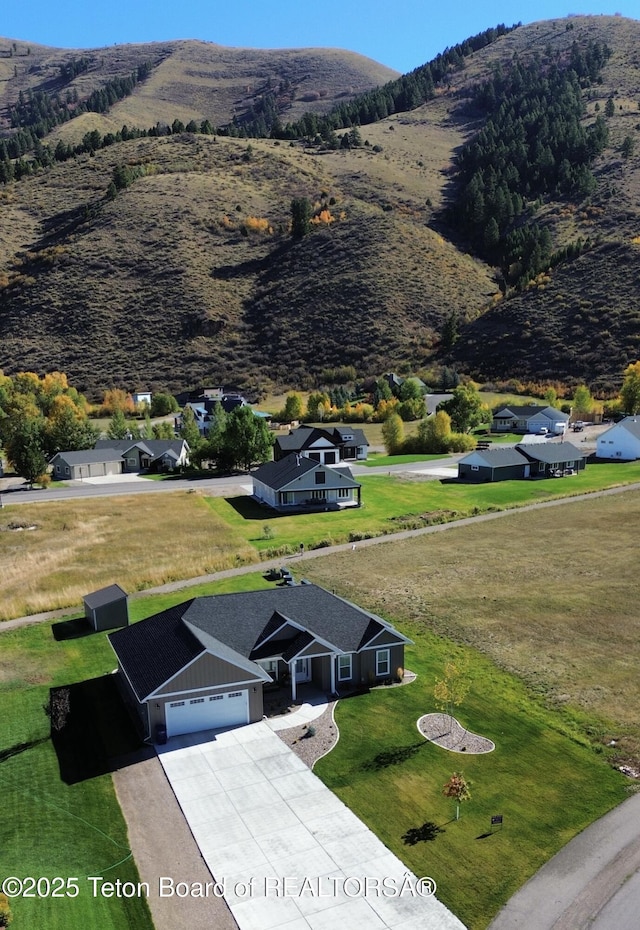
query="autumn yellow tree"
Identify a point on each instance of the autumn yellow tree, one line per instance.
(451, 690)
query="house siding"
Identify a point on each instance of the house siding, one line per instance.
(202, 672)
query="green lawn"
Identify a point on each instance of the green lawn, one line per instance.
(376, 459)
(50, 828)
(543, 777)
(391, 504)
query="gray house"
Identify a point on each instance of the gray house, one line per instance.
(108, 608)
(148, 454)
(297, 483)
(526, 460)
(203, 664)
(530, 418)
(88, 463)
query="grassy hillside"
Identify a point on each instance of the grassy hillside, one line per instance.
(190, 273)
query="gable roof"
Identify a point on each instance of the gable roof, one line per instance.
(551, 452)
(280, 475)
(233, 626)
(302, 438)
(88, 456)
(496, 458)
(630, 424)
(527, 411)
(153, 447)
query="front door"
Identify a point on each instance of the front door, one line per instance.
(303, 670)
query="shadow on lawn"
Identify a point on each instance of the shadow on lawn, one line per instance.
(92, 732)
(428, 831)
(249, 509)
(393, 756)
(71, 629)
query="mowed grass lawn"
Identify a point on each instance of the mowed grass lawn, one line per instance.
(543, 777)
(390, 504)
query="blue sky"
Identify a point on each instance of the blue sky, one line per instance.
(399, 33)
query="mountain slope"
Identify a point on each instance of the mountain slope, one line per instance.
(190, 273)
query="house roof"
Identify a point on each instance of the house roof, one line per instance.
(527, 411)
(281, 474)
(358, 436)
(302, 438)
(89, 456)
(496, 458)
(552, 452)
(233, 626)
(104, 596)
(153, 447)
(631, 424)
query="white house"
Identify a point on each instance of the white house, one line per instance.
(620, 441)
(530, 418)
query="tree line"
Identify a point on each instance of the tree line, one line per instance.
(533, 144)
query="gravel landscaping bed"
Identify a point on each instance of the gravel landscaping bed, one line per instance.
(310, 748)
(445, 731)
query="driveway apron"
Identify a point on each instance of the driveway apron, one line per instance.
(284, 850)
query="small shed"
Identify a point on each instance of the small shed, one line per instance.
(108, 608)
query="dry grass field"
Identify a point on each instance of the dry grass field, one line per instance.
(550, 596)
(132, 541)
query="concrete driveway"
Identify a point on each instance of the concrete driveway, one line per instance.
(284, 850)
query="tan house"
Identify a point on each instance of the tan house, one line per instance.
(203, 664)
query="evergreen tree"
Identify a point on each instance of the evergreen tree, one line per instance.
(118, 426)
(300, 217)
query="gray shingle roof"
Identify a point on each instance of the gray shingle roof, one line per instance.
(631, 424)
(89, 456)
(155, 649)
(278, 475)
(495, 458)
(551, 452)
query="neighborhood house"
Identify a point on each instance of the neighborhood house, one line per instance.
(530, 418)
(299, 483)
(620, 441)
(118, 456)
(328, 446)
(205, 663)
(526, 460)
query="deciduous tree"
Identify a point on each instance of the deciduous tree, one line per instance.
(466, 408)
(630, 392)
(457, 788)
(393, 434)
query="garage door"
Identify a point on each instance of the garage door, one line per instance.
(207, 713)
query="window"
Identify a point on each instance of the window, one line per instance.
(344, 668)
(131, 461)
(177, 704)
(235, 694)
(315, 456)
(344, 492)
(321, 478)
(383, 662)
(475, 468)
(271, 667)
(216, 697)
(196, 701)
(318, 495)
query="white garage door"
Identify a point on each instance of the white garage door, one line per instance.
(207, 713)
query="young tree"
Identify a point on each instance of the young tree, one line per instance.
(450, 691)
(118, 426)
(551, 397)
(434, 433)
(630, 392)
(163, 404)
(393, 434)
(457, 788)
(163, 430)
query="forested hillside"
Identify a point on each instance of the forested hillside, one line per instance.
(479, 213)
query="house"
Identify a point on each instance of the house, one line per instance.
(620, 441)
(88, 463)
(203, 664)
(108, 608)
(203, 408)
(327, 446)
(526, 460)
(149, 454)
(141, 397)
(530, 418)
(298, 483)
(500, 464)
(553, 459)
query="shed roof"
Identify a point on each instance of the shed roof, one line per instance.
(104, 596)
